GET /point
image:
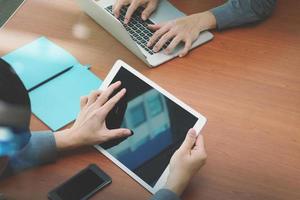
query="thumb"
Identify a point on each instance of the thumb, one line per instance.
(118, 133)
(116, 136)
(189, 140)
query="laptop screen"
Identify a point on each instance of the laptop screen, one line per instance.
(159, 126)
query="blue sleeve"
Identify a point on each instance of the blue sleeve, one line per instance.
(40, 149)
(164, 194)
(238, 12)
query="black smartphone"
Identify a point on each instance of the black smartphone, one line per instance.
(82, 185)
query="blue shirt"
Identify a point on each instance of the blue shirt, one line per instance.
(238, 12)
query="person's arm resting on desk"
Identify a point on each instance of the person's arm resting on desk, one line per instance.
(239, 12)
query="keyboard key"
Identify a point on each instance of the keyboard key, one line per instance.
(135, 34)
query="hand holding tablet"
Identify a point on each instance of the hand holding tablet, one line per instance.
(159, 121)
(186, 162)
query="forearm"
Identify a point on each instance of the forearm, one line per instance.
(40, 149)
(238, 12)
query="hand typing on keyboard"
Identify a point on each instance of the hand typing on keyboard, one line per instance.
(185, 29)
(137, 27)
(150, 6)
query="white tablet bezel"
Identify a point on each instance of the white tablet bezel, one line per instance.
(198, 125)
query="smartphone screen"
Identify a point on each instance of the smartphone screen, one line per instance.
(82, 185)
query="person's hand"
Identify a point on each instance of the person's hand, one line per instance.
(89, 127)
(186, 162)
(150, 6)
(185, 29)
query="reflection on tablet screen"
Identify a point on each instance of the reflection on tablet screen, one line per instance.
(159, 127)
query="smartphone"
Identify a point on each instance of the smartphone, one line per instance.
(82, 185)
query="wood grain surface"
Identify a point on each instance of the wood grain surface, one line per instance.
(246, 82)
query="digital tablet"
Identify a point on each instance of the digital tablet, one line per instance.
(159, 122)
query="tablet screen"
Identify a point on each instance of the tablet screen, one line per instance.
(159, 126)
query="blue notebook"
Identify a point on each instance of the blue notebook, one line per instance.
(55, 81)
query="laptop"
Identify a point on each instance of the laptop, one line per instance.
(135, 34)
(7, 9)
(159, 122)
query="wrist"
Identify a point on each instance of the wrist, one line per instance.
(206, 21)
(177, 185)
(65, 140)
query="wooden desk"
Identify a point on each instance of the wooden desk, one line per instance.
(246, 82)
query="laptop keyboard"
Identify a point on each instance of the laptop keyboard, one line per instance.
(137, 28)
